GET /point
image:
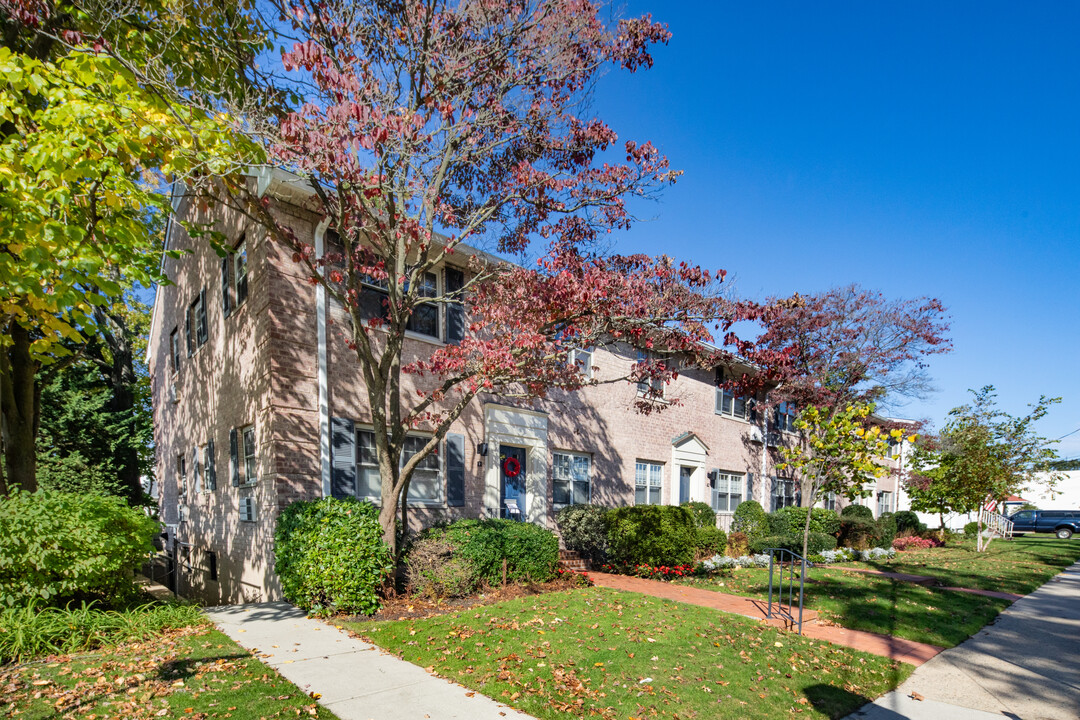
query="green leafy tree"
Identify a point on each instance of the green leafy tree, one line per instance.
(840, 453)
(982, 453)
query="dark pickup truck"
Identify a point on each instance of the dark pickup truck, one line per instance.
(1063, 523)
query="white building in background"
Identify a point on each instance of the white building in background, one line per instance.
(1065, 496)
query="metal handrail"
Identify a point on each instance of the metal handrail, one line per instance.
(996, 523)
(780, 556)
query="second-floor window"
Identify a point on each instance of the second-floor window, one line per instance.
(656, 384)
(727, 402)
(425, 317)
(240, 271)
(181, 478)
(196, 323)
(784, 417)
(174, 350)
(828, 501)
(247, 456)
(582, 358)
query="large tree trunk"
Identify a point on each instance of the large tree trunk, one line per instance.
(18, 400)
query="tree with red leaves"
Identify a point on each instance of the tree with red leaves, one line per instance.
(431, 127)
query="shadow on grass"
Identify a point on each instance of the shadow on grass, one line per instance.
(184, 668)
(836, 702)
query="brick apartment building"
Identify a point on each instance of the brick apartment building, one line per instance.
(258, 402)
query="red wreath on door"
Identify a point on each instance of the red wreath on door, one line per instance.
(511, 467)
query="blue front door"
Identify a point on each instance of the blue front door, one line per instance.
(684, 484)
(512, 471)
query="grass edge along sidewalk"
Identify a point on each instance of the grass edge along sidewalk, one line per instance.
(620, 654)
(194, 672)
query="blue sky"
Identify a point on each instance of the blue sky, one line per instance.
(915, 148)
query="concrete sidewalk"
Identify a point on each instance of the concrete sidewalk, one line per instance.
(1026, 664)
(354, 679)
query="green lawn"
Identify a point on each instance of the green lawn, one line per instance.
(864, 602)
(1018, 566)
(916, 612)
(195, 673)
(603, 652)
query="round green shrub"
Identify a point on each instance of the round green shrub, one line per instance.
(971, 529)
(793, 520)
(857, 532)
(750, 519)
(710, 541)
(57, 547)
(703, 514)
(436, 570)
(857, 511)
(817, 543)
(907, 520)
(651, 535)
(584, 530)
(330, 555)
(530, 551)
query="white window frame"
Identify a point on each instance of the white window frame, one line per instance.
(656, 384)
(786, 412)
(885, 495)
(788, 500)
(181, 478)
(731, 486)
(440, 476)
(440, 321)
(585, 356)
(727, 401)
(568, 473)
(367, 468)
(174, 350)
(240, 272)
(200, 322)
(650, 476)
(247, 456)
(196, 471)
(828, 501)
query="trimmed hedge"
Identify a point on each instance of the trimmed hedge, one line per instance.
(886, 530)
(793, 520)
(703, 514)
(817, 543)
(56, 547)
(857, 532)
(651, 535)
(531, 552)
(907, 520)
(331, 556)
(710, 541)
(584, 530)
(857, 511)
(750, 519)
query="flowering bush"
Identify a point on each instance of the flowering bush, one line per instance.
(875, 554)
(722, 562)
(838, 555)
(916, 543)
(577, 579)
(652, 572)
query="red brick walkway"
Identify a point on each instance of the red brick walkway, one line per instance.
(890, 647)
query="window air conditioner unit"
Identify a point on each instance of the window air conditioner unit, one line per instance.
(247, 509)
(181, 513)
(174, 393)
(755, 434)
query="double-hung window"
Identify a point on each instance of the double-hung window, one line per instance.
(728, 492)
(196, 472)
(884, 502)
(784, 493)
(828, 501)
(570, 478)
(174, 350)
(247, 455)
(727, 402)
(425, 316)
(426, 483)
(648, 480)
(785, 416)
(582, 358)
(656, 384)
(367, 466)
(181, 478)
(240, 271)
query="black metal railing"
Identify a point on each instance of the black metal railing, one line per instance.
(786, 562)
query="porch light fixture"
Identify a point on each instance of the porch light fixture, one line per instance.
(482, 449)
